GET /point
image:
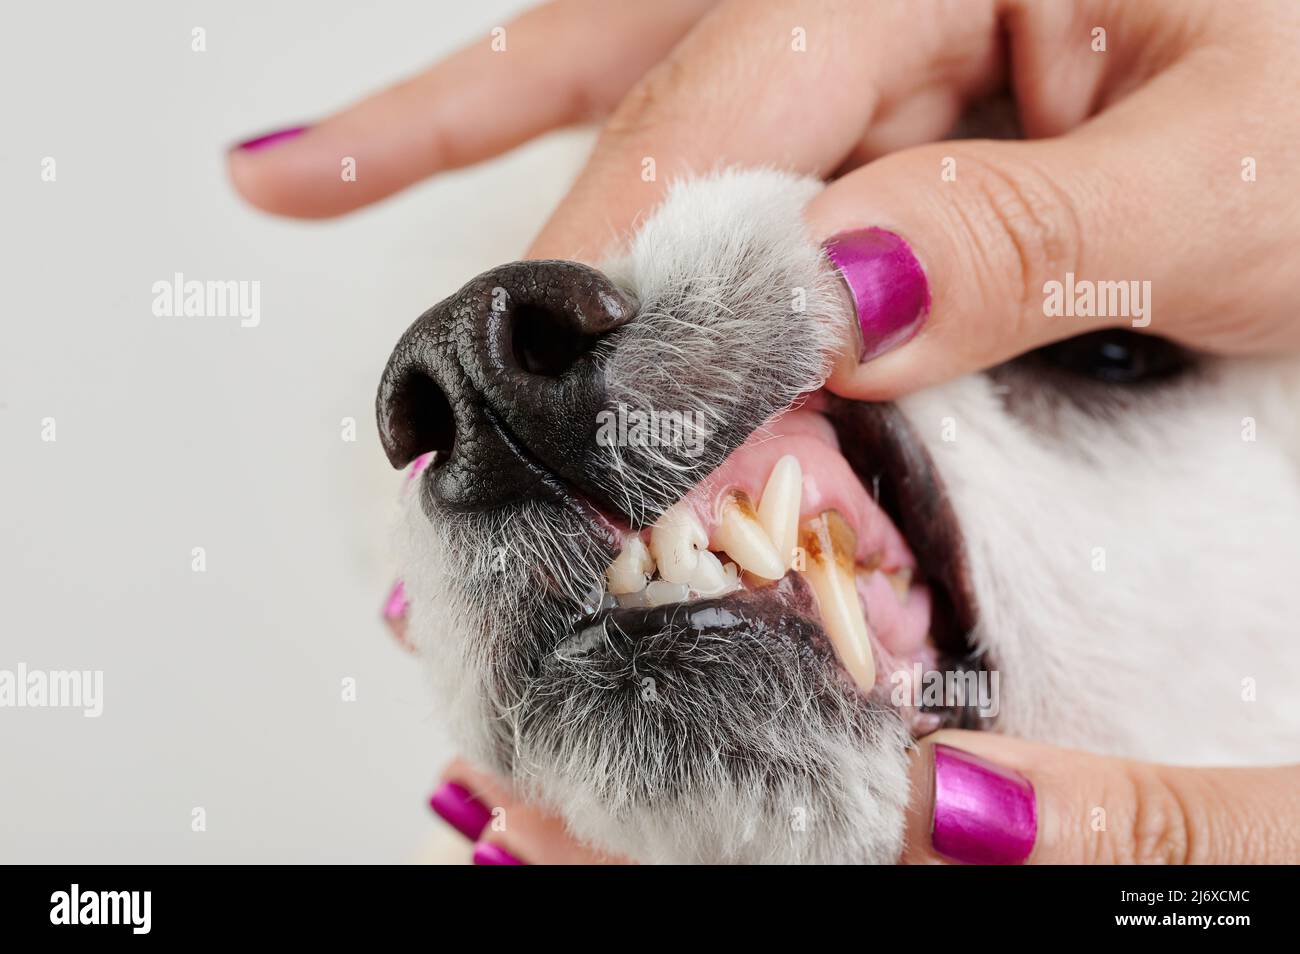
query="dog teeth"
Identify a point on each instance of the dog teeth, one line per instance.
(631, 568)
(830, 545)
(743, 538)
(778, 508)
(635, 600)
(660, 592)
(710, 578)
(675, 543)
(901, 581)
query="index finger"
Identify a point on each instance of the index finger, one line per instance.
(557, 64)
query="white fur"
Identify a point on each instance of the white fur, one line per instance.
(1154, 656)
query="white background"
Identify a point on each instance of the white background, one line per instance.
(222, 689)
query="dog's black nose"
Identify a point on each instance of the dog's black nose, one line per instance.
(502, 382)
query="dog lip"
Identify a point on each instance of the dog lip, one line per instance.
(787, 600)
(701, 616)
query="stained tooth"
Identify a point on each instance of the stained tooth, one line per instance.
(745, 540)
(901, 581)
(830, 545)
(709, 578)
(675, 542)
(660, 592)
(778, 509)
(631, 568)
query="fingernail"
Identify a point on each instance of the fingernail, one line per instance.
(271, 139)
(890, 293)
(983, 814)
(461, 810)
(396, 604)
(418, 466)
(489, 854)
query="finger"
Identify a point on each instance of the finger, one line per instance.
(535, 838)
(558, 64)
(991, 249)
(795, 85)
(397, 606)
(512, 831)
(988, 799)
(395, 609)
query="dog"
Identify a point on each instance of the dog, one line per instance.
(1096, 539)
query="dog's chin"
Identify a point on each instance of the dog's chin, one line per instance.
(723, 728)
(719, 730)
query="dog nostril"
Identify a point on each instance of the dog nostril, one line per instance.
(420, 421)
(546, 344)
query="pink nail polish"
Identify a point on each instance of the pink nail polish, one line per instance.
(983, 814)
(889, 289)
(418, 465)
(396, 605)
(270, 139)
(461, 810)
(489, 854)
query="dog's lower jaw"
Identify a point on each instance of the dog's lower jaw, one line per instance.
(663, 749)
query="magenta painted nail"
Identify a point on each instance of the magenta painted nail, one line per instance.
(418, 466)
(489, 854)
(271, 139)
(889, 289)
(461, 810)
(396, 605)
(983, 814)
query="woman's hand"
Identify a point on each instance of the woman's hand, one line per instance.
(980, 798)
(504, 830)
(1163, 142)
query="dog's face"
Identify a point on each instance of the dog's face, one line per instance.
(682, 595)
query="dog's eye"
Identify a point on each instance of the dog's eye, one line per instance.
(1117, 356)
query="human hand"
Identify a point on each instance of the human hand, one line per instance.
(982, 798)
(1158, 153)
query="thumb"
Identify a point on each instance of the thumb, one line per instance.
(979, 798)
(984, 250)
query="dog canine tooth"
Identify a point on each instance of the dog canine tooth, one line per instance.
(675, 543)
(631, 568)
(743, 538)
(660, 592)
(778, 508)
(830, 544)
